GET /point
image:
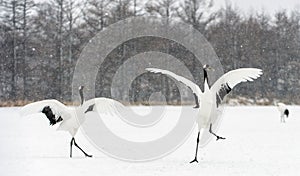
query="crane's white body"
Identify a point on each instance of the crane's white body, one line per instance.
(205, 114)
(72, 117)
(282, 108)
(72, 124)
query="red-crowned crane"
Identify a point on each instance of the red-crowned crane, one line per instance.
(71, 118)
(210, 98)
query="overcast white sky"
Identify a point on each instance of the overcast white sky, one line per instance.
(246, 6)
(270, 6)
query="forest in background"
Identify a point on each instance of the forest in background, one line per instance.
(41, 42)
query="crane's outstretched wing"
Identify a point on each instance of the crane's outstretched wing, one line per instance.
(56, 111)
(230, 79)
(194, 87)
(103, 105)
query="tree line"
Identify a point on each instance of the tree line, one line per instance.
(41, 42)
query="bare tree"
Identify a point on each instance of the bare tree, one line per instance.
(224, 35)
(161, 8)
(12, 19)
(59, 7)
(197, 13)
(26, 6)
(121, 10)
(72, 15)
(96, 14)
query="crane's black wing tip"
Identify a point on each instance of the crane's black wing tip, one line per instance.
(223, 91)
(90, 108)
(50, 115)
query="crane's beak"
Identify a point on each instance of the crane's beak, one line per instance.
(209, 68)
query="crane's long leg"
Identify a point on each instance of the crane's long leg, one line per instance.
(218, 137)
(195, 160)
(81, 149)
(197, 102)
(282, 118)
(71, 144)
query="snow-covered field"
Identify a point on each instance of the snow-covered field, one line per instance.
(256, 144)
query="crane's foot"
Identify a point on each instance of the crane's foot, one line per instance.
(219, 137)
(195, 160)
(87, 155)
(197, 106)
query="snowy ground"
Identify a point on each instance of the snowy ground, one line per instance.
(256, 144)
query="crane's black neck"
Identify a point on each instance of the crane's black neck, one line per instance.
(81, 96)
(205, 76)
